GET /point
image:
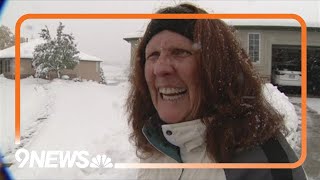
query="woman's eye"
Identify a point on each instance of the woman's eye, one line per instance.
(181, 52)
(153, 56)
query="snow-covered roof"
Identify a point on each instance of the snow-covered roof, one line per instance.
(269, 22)
(136, 34)
(27, 48)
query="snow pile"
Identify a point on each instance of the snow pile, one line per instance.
(281, 102)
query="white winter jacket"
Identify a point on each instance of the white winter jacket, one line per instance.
(185, 143)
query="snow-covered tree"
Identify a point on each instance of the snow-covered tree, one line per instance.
(56, 53)
(103, 78)
(6, 37)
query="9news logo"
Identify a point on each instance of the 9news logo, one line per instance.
(61, 159)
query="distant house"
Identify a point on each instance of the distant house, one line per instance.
(267, 42)
(88, 67)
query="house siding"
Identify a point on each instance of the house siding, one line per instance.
(134, 47)
(25, 69)
(85, 70)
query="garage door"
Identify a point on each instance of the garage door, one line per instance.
(291, 54)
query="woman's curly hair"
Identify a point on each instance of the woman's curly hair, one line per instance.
(230, 100)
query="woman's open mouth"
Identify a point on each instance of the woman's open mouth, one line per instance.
(172, 94)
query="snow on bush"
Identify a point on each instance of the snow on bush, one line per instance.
(281, 102)
(65, 77)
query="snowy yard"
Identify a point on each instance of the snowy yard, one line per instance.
(65, 115)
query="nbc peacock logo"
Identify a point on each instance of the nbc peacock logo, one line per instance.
(101, 161)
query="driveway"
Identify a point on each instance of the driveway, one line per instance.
(312, 163)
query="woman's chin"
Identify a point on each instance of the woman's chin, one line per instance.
(171, 119)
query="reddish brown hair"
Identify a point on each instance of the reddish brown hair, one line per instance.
(230, 103)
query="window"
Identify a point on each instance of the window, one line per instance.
(97, 66)
(254, 46)
(7, 65)
(1, 67)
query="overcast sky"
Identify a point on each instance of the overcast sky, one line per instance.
(104, 38)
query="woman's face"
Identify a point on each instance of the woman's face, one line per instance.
(170, 72)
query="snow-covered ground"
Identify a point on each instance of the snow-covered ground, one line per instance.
(65, 115)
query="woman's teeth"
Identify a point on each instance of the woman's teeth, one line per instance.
(172, 98)
(172, 94)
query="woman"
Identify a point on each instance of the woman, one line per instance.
(195, 98)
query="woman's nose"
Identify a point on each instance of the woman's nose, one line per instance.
(163, 66)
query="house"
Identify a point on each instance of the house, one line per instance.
(88, 67)
(268, 42)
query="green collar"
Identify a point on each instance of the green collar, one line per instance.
(156, 139)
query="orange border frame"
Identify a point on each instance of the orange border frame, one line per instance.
(179, 16)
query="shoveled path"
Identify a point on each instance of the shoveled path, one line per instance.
(312, 163)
